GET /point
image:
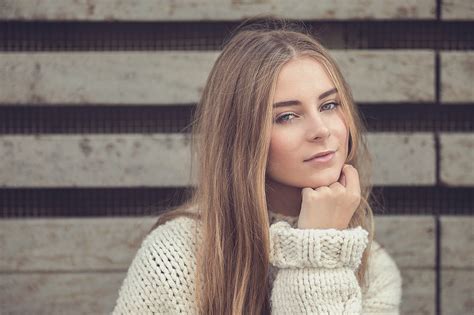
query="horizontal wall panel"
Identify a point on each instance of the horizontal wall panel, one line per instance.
(75, 244)
(59, 293)
(457, 69)
(77, 293)
(418, 291)
(129, 160)
(457, 10)
(457, 292)
(208, 10)
(389, 75)
(457, 242)
(178, 77)
(163, 160)
(403, 158)
(91, 244)
(409, 239)
(104, 78)
(457, 159)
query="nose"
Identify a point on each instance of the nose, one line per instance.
(317, 127)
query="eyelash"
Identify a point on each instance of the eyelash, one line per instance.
(279, 121)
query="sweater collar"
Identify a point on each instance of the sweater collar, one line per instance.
(274, 217)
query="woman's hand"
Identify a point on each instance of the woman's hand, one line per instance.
(331, 206)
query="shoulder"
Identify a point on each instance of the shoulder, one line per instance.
(384, 280)
(177, 229)
(173, 242)
(160, 276)
(380, 261)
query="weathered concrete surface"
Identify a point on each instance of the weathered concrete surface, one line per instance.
(60, 293)
(178, 77)
(128, 160)
(76, 244)
(457, 10)
(63, 264)
(169, 10)
(418, 291)
(63, 244)
(409, 239)
(457, 159)
(163, 160)
(76, 293)
(389, 75)
(104, 78)
(457, 76)
(457, 242)
(457, 291)
(403, 158)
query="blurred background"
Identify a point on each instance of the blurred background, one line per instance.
(96, 98)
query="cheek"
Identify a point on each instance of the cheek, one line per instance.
(283, 147)
(343, 135)
(344, 132)
(277, 153)
(341, 132)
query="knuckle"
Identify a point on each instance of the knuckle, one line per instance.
(339, 190)
(309, 194)
(324, 189)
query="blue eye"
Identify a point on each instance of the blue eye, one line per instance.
(286, 118)
(336, 104)
(281, 118)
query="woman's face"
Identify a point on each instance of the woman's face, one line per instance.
(310, 122)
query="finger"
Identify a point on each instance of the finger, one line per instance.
(342, 179)
(337, 186)
(352, 179)
(306, 191)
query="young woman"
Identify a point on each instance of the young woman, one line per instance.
(279, 221)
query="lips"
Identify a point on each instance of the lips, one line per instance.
(320, 154)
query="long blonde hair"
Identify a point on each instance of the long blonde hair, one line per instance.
(231, 139)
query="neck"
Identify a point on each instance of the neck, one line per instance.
(283, 199)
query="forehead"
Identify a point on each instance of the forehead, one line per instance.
(301, 75)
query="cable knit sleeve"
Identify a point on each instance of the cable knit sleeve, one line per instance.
(316, 269)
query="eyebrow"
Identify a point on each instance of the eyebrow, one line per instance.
(296, 102)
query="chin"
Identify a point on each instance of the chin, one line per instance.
(322, 179)
(302, 180)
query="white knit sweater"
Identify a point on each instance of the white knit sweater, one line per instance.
(311, 272)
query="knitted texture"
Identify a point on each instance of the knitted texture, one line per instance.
(160, 279)
(316, 269)
(313, 273)
(328, 248)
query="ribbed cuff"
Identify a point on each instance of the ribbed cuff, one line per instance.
(316, 248)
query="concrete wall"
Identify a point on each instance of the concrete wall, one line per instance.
(63, 265)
